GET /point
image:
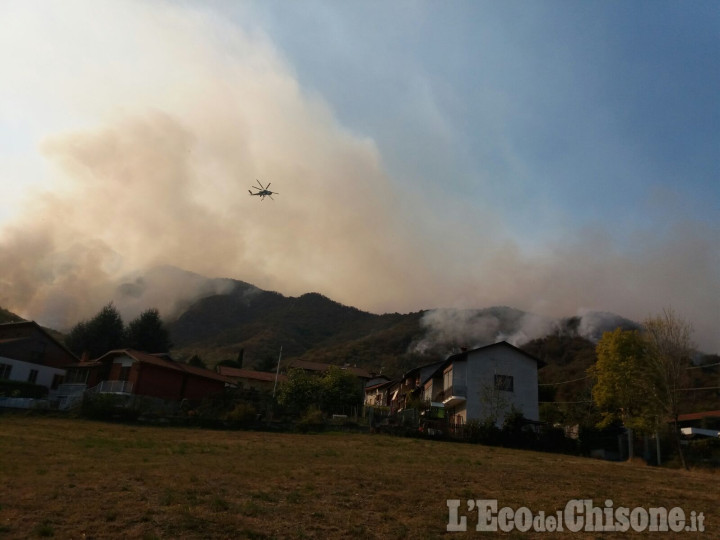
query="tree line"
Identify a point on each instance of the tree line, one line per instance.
(106, 331)
(336, 391)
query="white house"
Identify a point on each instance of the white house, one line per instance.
(18, 370)
(487, 382)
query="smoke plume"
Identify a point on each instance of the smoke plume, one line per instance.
(455, 329)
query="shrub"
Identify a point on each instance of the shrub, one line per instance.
(553, 439)
(485, 432)
(107, 407)
(22, 389)
(312, 420)
(515, 433)
(704, 451)
(242, 415)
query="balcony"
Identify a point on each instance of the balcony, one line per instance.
(113, 387)
(67, 395)
(452, 396)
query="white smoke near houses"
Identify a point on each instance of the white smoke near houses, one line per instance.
(456, 329)
(450, 330)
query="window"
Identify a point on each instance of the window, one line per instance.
(33, 376)
(504, 382)
(124, 373)
(57, 381)
(5, 370)
(448, 379)
(77, 376)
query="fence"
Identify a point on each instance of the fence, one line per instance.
(112, 387)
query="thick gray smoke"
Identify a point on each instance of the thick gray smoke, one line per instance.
(454, 329)
(471, 328)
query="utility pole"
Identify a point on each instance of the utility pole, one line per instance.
(277, 372)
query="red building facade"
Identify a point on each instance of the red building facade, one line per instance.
(155, 375)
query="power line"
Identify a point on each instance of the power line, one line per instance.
(588, 376)
(564, 382)
(566, 402)
(704, 366)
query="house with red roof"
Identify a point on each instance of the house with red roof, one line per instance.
(320, 368)
(249, 379)
(127, 371)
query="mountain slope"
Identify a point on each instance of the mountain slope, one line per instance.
(224, 319)
(248, 321)
(260, 322)
(8, 316)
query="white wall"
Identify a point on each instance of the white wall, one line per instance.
(21, 371)
(481, 368)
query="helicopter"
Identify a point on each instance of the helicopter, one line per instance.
(263, 191)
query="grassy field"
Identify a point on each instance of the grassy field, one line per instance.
(72, 478)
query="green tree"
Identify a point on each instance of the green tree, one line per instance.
(103, 333)
(148, 333)
(268, 363)
(229, 363)
(76, 339)
(669, 353)
(340, 391)
(623, 381)
(299, 391)
(639, 375)
(196, 361)
(335, 392)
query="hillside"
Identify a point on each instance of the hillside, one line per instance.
(256, 323)
(8, 316)
(566, 358)
(260, 322)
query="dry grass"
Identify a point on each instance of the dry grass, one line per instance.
(72, 478)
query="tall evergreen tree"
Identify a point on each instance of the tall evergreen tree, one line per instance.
(196, 361)
(103, 333)
(148, 333)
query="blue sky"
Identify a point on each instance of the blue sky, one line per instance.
(554, 156)
(582, 112)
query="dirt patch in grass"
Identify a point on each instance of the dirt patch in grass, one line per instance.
(66, 478)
